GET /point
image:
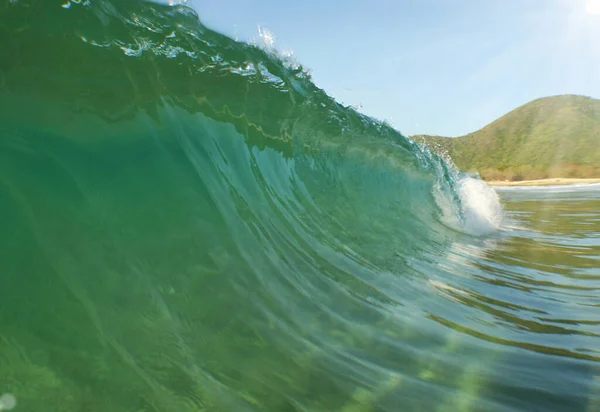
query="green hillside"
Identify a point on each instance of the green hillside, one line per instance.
(551, 137)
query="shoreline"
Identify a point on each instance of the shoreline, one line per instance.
(545, 182)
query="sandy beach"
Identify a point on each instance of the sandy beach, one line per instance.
(544, 182)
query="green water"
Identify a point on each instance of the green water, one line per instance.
(188, 224)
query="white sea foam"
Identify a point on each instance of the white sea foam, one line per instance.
(550, 188)
(481, 208)
(478, 210)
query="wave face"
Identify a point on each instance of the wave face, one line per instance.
(190, 224)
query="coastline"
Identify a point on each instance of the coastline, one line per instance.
(545, 182)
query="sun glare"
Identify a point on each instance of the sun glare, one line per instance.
(592, 7)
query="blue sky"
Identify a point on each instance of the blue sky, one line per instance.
(445, 67)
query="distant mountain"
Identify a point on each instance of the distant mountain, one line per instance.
(550, 137)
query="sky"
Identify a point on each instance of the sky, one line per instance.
(442, 67)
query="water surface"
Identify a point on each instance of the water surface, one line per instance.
(189, 224)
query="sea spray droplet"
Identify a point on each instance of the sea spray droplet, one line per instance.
(7, 402)
(267, 37)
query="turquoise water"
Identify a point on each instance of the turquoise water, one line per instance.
(189, 224)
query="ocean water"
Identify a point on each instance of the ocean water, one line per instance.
(187, 223)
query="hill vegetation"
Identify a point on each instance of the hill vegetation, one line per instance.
(550, 137)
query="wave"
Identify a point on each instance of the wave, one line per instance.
(191, 223)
